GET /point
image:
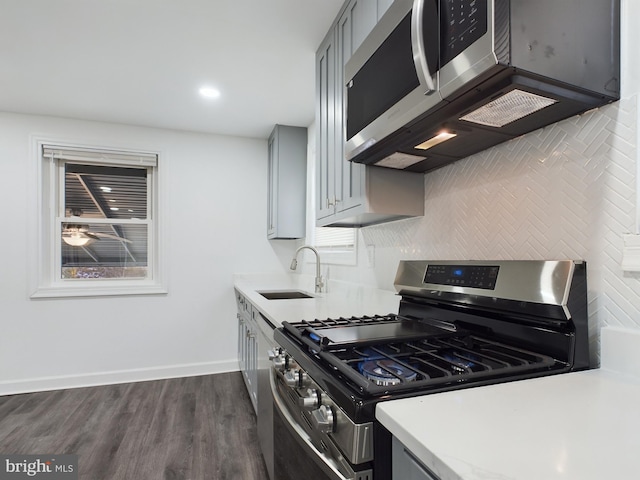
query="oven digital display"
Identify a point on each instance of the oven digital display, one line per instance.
(475, 276)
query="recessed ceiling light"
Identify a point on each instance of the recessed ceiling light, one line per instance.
(115, 209)
(105, 189)
(209, 92)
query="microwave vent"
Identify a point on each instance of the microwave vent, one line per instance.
(399, 160)
(508, 108)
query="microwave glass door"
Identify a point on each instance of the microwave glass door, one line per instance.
(389, 74)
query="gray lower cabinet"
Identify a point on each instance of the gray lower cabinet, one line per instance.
(265, 399)
(405, 466)
(287, 182)
(255, 340)
(248, 348)
(346, 192)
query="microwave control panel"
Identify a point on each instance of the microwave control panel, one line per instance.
(462, 22)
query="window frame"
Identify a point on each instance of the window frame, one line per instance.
(48, 281)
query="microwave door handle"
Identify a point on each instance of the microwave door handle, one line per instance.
(419, 51)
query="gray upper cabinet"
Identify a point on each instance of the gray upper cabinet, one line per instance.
(383, 5)
(287, 177)
(349, 194)
(326, 104)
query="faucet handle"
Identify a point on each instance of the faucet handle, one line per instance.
(319, 284)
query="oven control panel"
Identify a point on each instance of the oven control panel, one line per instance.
(474, 276)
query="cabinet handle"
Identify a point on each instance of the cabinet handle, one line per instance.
(331, 202)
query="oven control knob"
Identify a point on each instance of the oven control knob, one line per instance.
(278, 361)
(303, 378)
(310, 399)
(274, 353)
(323, 419)
(291, 378)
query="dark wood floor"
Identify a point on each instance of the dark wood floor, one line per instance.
(195, 428)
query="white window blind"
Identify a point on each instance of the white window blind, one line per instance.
(337, 245)
(334, 238)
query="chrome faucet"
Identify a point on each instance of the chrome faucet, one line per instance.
(319, 279)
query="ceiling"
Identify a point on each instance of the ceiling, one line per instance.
(142, 62)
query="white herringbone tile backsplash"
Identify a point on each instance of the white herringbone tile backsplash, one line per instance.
(565, 191)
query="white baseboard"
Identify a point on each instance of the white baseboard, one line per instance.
(109, 378)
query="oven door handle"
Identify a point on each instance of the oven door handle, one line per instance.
(299, 433)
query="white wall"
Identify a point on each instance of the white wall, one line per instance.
(566, 191)
(213, 205)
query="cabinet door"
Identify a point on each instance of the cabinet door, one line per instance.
(241, 344)
(339, 183)
(383, 6)
(405, 466)
(252, 364)
(364, 16)
(272, 186)
(287, 182)
(326, 103)
(353, 27)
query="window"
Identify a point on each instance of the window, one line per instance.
(99, 233)
(337, 245)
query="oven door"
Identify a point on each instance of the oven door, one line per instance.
(295, 455)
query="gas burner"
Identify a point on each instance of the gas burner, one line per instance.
(386, 372)
(459, 363)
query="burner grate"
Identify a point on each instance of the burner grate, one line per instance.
(431, 362)
(408, 354)
(319, 324)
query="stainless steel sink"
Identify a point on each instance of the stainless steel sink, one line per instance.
(284, 294)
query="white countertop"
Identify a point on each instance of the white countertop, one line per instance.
(579, 426)
(340, 299)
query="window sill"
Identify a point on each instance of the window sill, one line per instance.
(98, 291)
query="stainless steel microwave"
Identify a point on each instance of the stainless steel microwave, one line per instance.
(439, 80)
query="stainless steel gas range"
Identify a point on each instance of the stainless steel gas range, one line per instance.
(460, 324)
